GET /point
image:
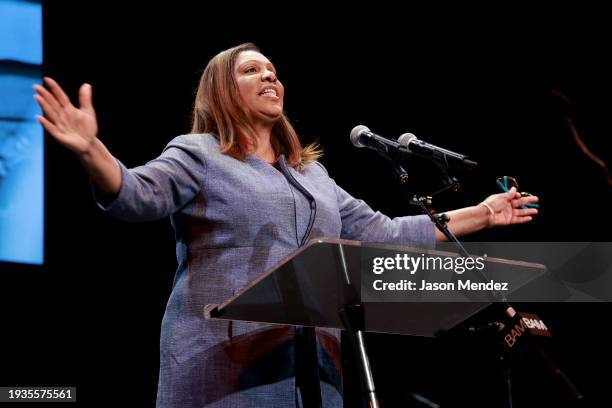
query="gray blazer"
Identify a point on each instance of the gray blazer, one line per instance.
(234, 219)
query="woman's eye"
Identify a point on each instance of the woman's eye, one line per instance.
(250, 69)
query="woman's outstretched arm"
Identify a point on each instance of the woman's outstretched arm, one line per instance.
(496, 210)
(77, 130)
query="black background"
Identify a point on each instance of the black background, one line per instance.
(479, 85)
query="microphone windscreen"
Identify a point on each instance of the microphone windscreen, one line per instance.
(356, 133)
(405, 140)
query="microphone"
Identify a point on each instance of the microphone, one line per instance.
(361, 136)
(429, 151)
(407, 145)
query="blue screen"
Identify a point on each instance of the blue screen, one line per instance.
(21, 137)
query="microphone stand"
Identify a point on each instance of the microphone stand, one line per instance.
(440, 220)
(425, 202)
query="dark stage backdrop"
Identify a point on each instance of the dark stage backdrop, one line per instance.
(90, 317)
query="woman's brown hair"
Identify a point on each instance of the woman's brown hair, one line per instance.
(217, 110)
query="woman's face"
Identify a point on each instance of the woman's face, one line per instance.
(260, 91)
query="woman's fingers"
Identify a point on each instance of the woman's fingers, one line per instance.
(58, 92)
(50, 127)
(85, 98)
(518, 215)
(524, 212)
(51, 107)
(524, 201)
(49, 111)
(47, 96)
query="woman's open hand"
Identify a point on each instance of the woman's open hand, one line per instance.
(504, 208)
(75, 128)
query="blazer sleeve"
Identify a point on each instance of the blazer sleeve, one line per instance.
(160, 187)
(360, 222)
